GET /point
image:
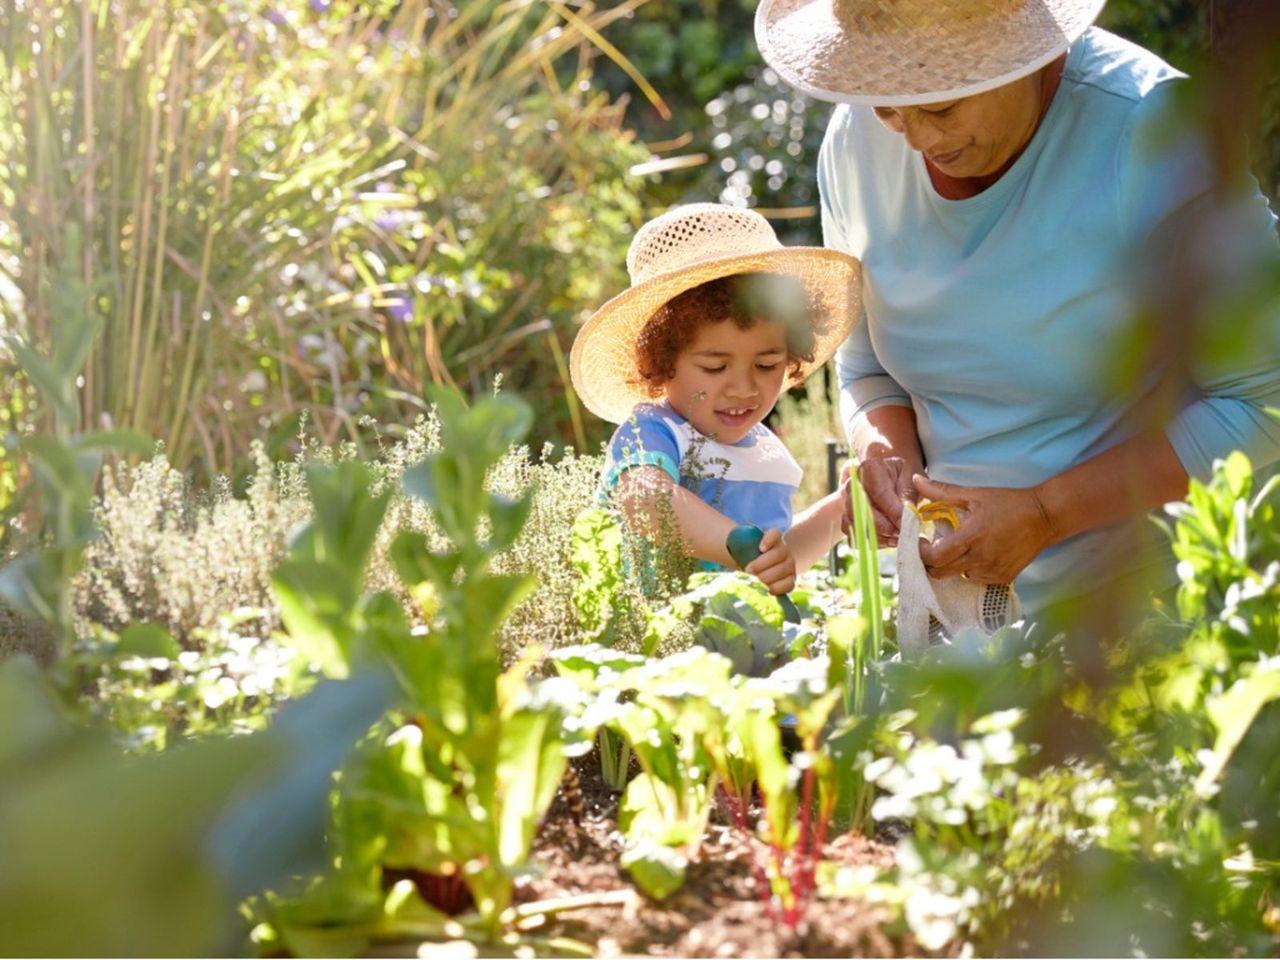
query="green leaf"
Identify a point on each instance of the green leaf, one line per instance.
(658, 870)
(496, 424)
(507, 518)
(317, 602)
(1232, 712)
(415, 562)
(147, 640)
(31, 717)
(45, 379)
(32, 584)
(596, 556)
(589, 659)
(347, 515)
(146, 856)
(530, 764)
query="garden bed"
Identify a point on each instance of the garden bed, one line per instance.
(718, 913)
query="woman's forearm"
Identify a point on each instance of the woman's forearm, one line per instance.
(888, 431)
(1134, 476)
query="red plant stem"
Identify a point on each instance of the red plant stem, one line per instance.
(801, 862)
(820, 841)
(738, 811)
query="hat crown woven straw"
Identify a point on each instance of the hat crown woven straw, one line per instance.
(918, 14)
(694, 233)
(904, 52)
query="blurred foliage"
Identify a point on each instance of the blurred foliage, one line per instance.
(760, 138)
(445, 798)
(293, 205)
(110, 855)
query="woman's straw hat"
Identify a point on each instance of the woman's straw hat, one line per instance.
(894, 53)
(685, 247)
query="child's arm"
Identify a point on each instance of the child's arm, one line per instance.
(649, 498)
(817, 529)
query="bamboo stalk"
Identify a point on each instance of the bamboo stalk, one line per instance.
(88, 182)
(142, 239)
(150, 387)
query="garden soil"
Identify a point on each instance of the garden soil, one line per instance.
(718, 913)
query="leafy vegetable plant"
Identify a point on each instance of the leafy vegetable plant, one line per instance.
(439, 806)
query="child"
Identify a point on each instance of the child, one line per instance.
(720, 318)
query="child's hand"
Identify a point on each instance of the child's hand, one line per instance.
(775, 567)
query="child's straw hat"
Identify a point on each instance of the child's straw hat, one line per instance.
(684, 248)
(894, 53)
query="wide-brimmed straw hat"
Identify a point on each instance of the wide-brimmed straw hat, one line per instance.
(902, 52)
(682, 249)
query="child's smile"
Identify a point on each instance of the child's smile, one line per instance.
(727, 380)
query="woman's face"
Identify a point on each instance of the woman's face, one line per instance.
(977, 136)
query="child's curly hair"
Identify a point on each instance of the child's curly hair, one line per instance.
(744, 298)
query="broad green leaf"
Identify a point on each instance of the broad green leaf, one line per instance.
(316, 604)
(658, 870)
(32, 583)
(589, 659)
(497, 423)
(347, 515)
(30, 716)
(530, 764)
(46, 380)
(1232, 712)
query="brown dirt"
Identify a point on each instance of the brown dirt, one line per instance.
(718, 913)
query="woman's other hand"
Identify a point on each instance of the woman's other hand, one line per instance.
(887, 482)
(1001, 531)
(776, 566)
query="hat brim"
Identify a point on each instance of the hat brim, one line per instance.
(906, 64)
(603, 364)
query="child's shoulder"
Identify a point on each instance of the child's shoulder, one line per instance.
(650, 424)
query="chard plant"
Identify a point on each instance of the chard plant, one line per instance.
(670, 706)
(799, 792)
(436, 813)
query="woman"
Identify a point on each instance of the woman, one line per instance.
(994, 164)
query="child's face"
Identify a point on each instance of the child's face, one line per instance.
(727, 380)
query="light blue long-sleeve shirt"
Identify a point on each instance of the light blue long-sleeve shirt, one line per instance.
(999, 318)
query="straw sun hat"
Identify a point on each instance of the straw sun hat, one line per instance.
(895, 53)
(684, 248)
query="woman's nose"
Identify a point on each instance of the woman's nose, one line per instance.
(921, 134)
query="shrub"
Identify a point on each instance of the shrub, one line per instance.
(178, 558)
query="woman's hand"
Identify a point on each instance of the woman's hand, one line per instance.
(776, 566)
(1001, 531)
(887, 481)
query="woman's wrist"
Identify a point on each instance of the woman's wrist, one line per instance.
(1050, 519)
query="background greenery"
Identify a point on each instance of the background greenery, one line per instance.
(261, 233)
(313, 210)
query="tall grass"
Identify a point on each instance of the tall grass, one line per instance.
(286, 209)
